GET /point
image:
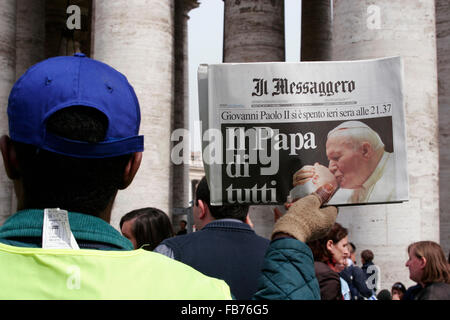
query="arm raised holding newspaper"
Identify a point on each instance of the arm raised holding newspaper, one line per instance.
(305, 220)
(288, 269)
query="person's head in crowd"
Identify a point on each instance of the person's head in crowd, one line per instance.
(63, 154)
(353, 150)
(398, 291)
(333, 248)
(205, 213)
(427, 263)
(146, 227)
(384, 295)
(352, 250)
(367, 256)
(182, 230)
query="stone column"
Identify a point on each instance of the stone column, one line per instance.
(30, 34)
(253, 31)
(30, 43)
(362, 30)
(7, 78)
(316, 30)
(180, 120)
(180, 172)
(443, 56)
(137, 38)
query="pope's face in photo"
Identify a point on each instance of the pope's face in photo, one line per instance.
(345, 161)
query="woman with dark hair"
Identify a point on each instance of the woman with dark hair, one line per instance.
(328, 252)
(398, 291)
(146, 227)
(429, 268)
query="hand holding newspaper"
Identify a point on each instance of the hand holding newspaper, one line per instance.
(275, 132)
(318, 176)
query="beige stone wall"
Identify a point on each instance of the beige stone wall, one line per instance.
(136, 38)
(406, 28)
(443, 56)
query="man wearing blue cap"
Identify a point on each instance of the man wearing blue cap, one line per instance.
(74, 142)
(73, 125)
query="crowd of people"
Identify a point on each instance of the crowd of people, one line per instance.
(339, 277)
(226, 227)
(73, 144)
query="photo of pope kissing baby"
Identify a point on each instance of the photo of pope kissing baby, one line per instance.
(290, 160)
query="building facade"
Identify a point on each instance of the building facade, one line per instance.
(352, 30)
(146, 41)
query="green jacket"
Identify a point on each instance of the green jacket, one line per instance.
(288, 272)
(24, 229)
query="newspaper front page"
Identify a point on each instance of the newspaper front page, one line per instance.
(270, 130)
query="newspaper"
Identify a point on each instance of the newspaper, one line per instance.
(272, 131)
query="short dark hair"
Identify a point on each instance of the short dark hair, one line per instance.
(384, 295)
(150, 228)
(319, 247)
(234, 211)
(367, 255)
(399, 286)
(82, 185)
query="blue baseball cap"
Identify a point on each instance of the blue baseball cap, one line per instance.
(67, 81)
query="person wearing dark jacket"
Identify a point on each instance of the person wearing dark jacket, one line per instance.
(356, 280)
(428, 267)
(225, 247)
(328, 252)
(411, 292)
(370, 269)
